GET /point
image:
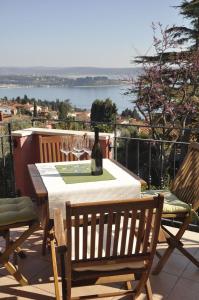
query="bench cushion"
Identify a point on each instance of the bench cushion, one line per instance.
(15, 210)
(171, 203)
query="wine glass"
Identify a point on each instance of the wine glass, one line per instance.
(78, 150)
(65, 146)
(78, 146)
(88, 144)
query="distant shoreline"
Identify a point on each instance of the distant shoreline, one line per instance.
(58, 86)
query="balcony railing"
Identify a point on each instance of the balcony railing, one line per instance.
(7, 186)
(156, 161)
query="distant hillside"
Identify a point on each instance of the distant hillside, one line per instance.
(119, 73)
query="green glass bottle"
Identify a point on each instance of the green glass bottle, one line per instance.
(96, 156)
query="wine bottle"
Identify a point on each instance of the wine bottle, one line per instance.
(96, 156)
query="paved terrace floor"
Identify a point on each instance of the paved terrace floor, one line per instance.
(178, 280)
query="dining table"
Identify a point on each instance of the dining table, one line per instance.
(58, 182)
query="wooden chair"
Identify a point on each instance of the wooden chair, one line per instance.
(181, 202)
(49, 148)
(106, 242)
(15, 213)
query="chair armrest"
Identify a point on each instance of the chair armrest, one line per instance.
(59, 228)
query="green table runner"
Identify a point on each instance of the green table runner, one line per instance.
(79, 173)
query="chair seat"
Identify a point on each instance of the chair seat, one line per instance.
(112, 267)
(172, 204)
(16, 210)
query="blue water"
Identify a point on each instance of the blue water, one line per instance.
(81, 97)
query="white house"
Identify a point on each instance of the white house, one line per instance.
(5, 110)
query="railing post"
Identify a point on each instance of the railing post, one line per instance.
(149, 170)
(161, 165)
(5, 189)
(13, 193)
(33, 122)
(138, 158)
(126, 152)
(115, 140)
(174, 161)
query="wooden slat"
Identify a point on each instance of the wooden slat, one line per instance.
(48, 146)
(124, 232)
(93, 235)
(53, 147)
(139, 203)
(101, 234)
(132, 231)
(45, 153)
(140, 231)
(76, 237)
(109, 233)
(148, 230)
(58, 151)
(85, 235)
(117, 230)
(41, 149)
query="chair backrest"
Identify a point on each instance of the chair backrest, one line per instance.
(112, 232)
(49, 148)
(186, 182)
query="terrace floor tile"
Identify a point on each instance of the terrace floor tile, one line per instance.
(185, 289)
(178, 280)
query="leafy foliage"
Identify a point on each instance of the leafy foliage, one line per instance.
(167, 97)
(168, 93)
(131, 113)
(188, 35)
(103, 111)
(64, 107)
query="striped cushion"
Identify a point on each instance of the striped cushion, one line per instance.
(171, 203)
(15, 210)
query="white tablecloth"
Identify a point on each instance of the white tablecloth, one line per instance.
(124, 186)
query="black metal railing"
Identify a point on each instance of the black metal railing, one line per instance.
(156, 161)
(7, 186)
(150, 156)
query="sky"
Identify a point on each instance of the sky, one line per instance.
(66, 33)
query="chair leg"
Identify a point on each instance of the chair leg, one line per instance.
(163, 260)
(129, 285)
(148, 289)
(68, 290)
(47, 229)
(142, 284)
(44, 242)
(14, 272)
(54, 263)
(7, 238)
(188, 255)
(174, 242)
(11, 247)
